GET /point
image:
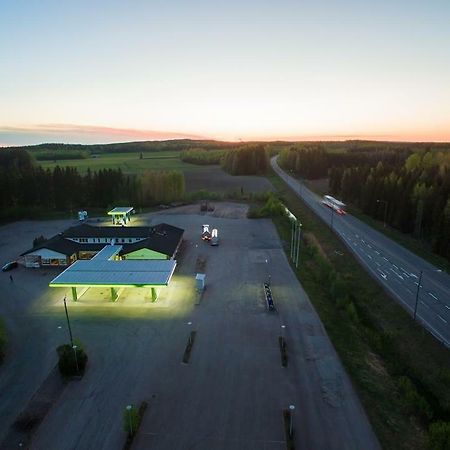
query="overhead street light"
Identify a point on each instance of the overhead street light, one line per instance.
(419, 285)
(385, 210)
(291, 426)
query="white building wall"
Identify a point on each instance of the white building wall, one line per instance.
(47, 257)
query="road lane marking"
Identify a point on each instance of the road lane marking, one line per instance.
(393, 271)
(443, 320)
(382, 274)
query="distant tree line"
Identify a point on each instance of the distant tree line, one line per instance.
(48, 155)
(163, 186)
(246, 160)
(26, 187)
(202, 157)
(313, 161)
(411, 183)
(416, 195)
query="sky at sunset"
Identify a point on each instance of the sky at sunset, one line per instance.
(111, 71)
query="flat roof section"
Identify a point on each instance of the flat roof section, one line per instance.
(120, 210)
(127, 273)
(107, 252)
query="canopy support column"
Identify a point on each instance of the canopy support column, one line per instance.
(114, 295)
(154, 294)
(74, 294)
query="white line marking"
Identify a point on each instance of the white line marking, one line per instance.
(384, 257)
(395, 266)
(368, 245)
(424, 304)
(443, 320)
(382, 274)
(377, 252)
(393, 271)
(377, 263)
(413, 275)
(432, 295)
(369, 256)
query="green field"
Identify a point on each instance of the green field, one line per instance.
(128, 162)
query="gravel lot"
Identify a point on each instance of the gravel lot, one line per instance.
(232, 392)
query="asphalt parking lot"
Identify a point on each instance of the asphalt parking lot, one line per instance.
(232, 392)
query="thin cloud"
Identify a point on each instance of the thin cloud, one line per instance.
(84, 134)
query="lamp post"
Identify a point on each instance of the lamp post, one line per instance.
(76, 359)
(129, 408)
(385, 211)
(291, 426)
(268, 272)
(419, 285)
(68, 322)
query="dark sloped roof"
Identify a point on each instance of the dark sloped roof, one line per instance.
(85, 231)
(58, 244)
(164, 238)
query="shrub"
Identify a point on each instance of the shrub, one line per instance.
(68, 363)
(439, 436)
(38, 240)
(352, 313)
(414, 402)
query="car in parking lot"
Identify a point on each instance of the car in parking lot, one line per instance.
(9, 266)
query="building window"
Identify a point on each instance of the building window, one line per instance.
(45, 261)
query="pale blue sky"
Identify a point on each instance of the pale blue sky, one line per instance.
(109, 71)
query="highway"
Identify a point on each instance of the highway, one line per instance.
(397, 269)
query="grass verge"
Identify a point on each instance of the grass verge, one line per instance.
(400, 371)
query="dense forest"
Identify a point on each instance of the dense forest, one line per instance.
(26, 188)
(136, 147)
(247, 160)
(411, 188)
(202, 157)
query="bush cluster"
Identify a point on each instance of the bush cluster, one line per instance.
(69, 358)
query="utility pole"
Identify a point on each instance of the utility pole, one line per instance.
(385, 211)
(296, 231)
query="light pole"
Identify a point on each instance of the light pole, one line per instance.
(68, 322)
(129, 408)
(291, 426)
(419, 285)
(385, 211)
(76, 359)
